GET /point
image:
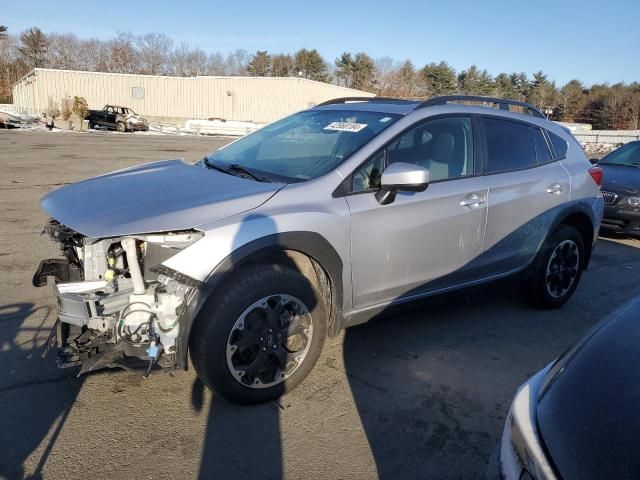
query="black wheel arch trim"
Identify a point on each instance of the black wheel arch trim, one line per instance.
(572, 208)
(311, 244)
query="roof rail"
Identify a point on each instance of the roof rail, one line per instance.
(364, 99)
(503, 103)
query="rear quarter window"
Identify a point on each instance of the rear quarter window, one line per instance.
(510, 145)
(559, 145)
(542, 148)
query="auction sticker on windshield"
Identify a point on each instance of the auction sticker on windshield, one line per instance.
(345, 126)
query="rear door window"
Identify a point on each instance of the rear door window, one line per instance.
(509, 145)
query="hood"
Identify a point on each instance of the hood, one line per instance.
(156, 197)
(620, 179)
(588, 416)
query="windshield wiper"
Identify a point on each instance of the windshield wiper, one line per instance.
(237, 168)
(215, 167)
(234, 167)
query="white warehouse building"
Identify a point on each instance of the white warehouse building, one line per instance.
(254, 99)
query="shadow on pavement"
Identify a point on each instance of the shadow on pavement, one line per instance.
(240, 442)
(409, 376)
(27, 424)
(433, 381)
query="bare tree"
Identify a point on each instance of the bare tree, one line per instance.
(198, 62)
(385, 67)
(633, 105)
(94, 55)
(186, 61)
(236, 62)
(63, 52)
(153, 52)
(216, 64)
(121, 54)
(11, 69)
(180, 60)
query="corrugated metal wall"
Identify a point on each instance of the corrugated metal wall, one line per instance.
(255, 99)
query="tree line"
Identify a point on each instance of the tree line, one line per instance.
(604, 106)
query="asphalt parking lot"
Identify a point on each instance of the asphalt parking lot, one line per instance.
(421, 392)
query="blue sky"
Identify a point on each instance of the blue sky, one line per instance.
(590, 40)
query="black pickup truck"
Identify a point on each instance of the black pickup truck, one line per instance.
(123, 119)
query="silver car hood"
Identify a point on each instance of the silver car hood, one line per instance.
(155, 197)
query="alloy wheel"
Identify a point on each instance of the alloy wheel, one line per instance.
(562, 269)
(269, 341)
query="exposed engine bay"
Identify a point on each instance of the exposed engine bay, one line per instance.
(117, 306)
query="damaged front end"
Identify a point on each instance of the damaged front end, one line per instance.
(136, 123)
(118, 306)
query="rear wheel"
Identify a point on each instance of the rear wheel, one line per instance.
(261, 337)
(557, 269)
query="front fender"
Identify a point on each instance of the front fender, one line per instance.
(311, 244)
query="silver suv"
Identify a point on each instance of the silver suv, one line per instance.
(249, 258)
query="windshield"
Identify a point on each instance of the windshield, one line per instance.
(628, 155)
(305, 145)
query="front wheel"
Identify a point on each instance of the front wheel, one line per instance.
(557, 269)
(121, 127)
(261, 336)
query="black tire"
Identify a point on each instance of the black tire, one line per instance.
(215, 323)
(121, 127)
(92, 125)
(551, 285)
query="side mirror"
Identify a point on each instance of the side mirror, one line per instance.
(594, 160)
(401, 177)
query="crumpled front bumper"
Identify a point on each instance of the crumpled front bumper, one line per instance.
(138, 127)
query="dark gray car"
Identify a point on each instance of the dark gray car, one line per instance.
(578, 418)
(621, 189)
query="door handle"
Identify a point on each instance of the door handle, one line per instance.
(556, 188)
(473, 201)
